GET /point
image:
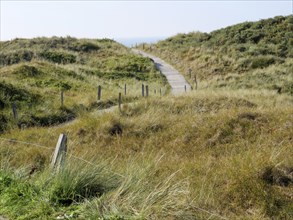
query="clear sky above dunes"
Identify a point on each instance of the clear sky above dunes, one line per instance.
(128, 19)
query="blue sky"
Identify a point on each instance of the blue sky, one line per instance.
(128, 19)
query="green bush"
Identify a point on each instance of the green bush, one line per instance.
(3, 123)
(16, 56)
(63, 86)
(58, 57)
(262, 62)
(25, 70)
(9, 93)
(61, 116)
(85, 46)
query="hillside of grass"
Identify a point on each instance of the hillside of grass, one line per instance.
(223, 151)
(204, 155)
(35, 71)
(249, 55)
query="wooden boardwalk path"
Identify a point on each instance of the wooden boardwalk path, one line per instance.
(175, 79)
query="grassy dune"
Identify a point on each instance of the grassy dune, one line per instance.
(206, 154)
(249, 55)
(223, 151)
(34, 72)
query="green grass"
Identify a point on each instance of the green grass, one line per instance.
(221, 152)
(85, 191)
(249, 55)
(226, 154)
(75, 66)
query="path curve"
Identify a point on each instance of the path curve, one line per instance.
(175, 79)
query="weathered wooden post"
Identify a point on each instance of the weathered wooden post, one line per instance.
(14, 111)
(119, 101)
(125, 89)
(59, 153)
(142, 90)
(195, 80)
(147, 90)
(189, 71)
(62, 98)
(99, 92)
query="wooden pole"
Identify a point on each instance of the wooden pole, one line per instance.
(195, 80)
(142, 90)
(62, 98)
(125, 89)
(99, 92)
(147, 90)
(14, 111)
(59, 153)
(119, 101)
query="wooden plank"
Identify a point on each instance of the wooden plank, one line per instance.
(59, 153)
(14, 111)
(147, 90)
(119, 101)
(195, 80)
(62, 98)
(99, 92)
(142, 90)
(189, 71)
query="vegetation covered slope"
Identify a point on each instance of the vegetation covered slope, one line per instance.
(206, 155)
(34, 71)
(255, 55)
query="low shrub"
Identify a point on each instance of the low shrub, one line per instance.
(15, 56)
(63, 115)
(25, 70)
(3, 123)
(10, 93)
(60, 57)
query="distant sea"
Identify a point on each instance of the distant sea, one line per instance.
(131, 42)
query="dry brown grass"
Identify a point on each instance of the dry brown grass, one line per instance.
(221, 141)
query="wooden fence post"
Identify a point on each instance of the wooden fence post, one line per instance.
(62, 98)
(59, 153)
(189, 70)
(125, 89)
(147, 90)
(142, 90)
(119, 101)
(14, 111)
(195, 80)
(99, 92)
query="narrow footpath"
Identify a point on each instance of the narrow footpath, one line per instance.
(175, 79)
